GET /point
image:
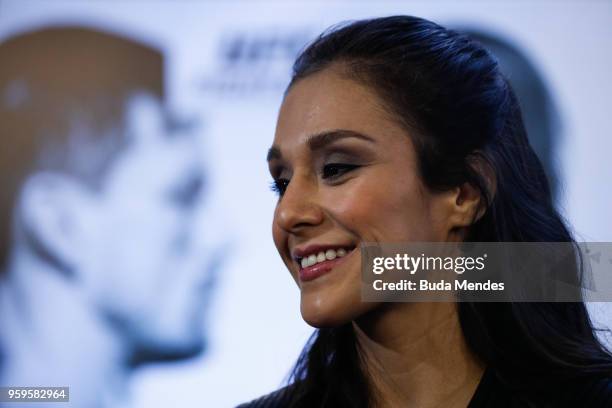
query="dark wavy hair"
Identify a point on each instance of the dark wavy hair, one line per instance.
(448, 91)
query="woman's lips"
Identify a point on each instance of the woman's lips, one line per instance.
(321, 268)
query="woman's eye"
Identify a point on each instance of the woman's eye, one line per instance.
(279, 186)
(337, 169)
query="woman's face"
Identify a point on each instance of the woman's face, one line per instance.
(347, 174)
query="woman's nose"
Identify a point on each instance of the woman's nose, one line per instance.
(298, 207)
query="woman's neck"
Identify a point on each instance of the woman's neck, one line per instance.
(416, 356)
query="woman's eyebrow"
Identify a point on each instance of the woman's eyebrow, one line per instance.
(320, 140)
(323, 139)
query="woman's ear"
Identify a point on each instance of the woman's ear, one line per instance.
(51, 217)
(468, 202)
(467, 206)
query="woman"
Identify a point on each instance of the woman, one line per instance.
(398, 130)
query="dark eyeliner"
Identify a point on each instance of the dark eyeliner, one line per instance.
(332, 170)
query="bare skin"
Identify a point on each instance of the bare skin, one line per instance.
(417, 357)
(347, 174)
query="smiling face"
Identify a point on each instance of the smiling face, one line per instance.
(347, 174)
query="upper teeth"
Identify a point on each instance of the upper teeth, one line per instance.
(322, 256)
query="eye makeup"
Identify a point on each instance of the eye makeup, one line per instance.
(330, 161)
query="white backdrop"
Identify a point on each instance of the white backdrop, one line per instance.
(229, 62)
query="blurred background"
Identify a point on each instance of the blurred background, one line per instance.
(222, 69)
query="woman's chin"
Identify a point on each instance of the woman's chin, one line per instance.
(322, 320)
(325, 313)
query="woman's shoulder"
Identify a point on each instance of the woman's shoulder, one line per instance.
(584, 392)
(588, 392)
(277, 399)
(592, 393)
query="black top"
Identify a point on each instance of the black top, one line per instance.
(491, 393)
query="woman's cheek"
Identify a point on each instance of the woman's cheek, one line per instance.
(358, 198)
(384, 212)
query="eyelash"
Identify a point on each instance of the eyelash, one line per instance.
(280, 185)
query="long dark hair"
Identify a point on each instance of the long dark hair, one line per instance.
(449, 92)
